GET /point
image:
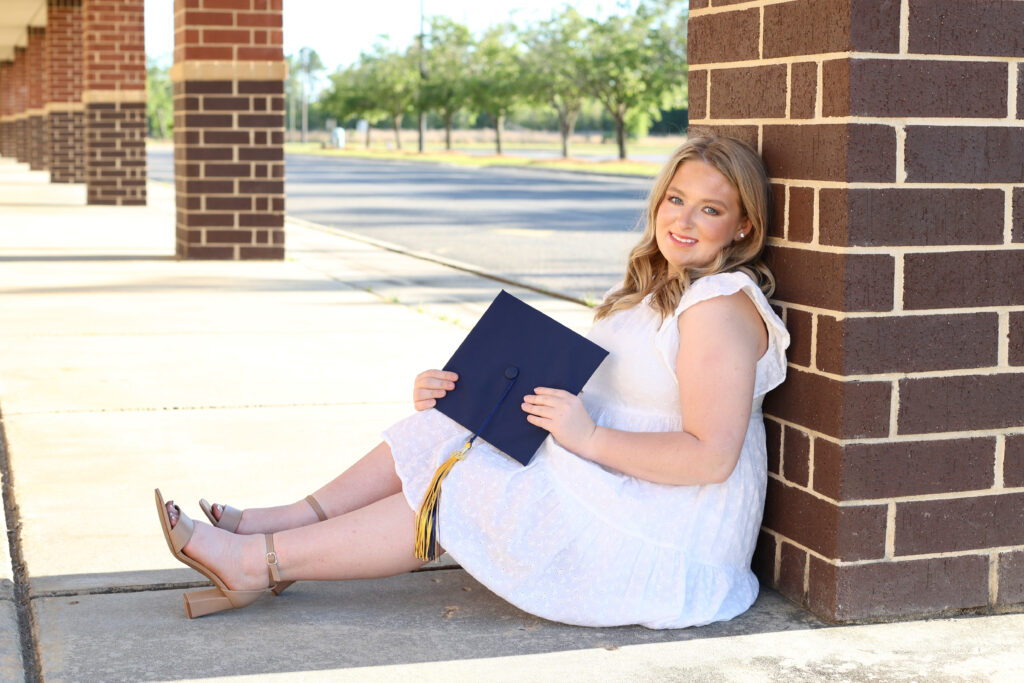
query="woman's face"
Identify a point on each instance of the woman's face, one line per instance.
(699, 215)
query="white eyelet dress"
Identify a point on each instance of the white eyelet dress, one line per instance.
(571, 541)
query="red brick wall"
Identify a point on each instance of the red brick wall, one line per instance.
(20, 110)
(229, 129)
(6, 109)
(894, 135)
(65, 75)
(115, 97)
(35, 66)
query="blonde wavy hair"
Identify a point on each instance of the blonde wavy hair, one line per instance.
(647, 271)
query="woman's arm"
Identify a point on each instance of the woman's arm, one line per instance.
(720, 341)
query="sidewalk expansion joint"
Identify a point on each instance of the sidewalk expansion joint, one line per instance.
(31, 660)
(242, 406)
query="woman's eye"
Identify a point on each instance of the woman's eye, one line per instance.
(675, 200)
(711, 211)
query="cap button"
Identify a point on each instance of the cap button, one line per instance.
(511, 372)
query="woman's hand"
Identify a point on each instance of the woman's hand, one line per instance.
(562, 414)
(431, 385)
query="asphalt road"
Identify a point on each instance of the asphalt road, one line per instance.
(565, 232)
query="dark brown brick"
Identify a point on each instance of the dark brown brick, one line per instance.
(810, 27)
(963, 279)
(260, 121)
(698, 93)
(1018, 213)
(845, 533)
(229, 237)
(893, 87)
(277, 236)
(225, 137)
(804, 93)
(227, 170)
(226, 104)
(1011, 578)
(897, 589)
(753, 92)
(964, 154)
(260, 87)
(904, 468)
(261, 154)
(261, 220)
(209, 187)
(1016, 338)
(799, 324)
(699, 4)
(792, 569)
(852, 152)
(194, 251)
(763, 562)
(1020, 90)
(873, 217)
(262, 253)
(961, 403)
(208, 220)
(724, 37)
(1013, 461)
(207, 87)
(228, 203)
(990, 28)
(777, 226)
(261, 187)
(208, 121)
(913, 343)
(796, 457)
(773, 440)
(801, 214)
(833, 281)
(843, 410)
(938, 526)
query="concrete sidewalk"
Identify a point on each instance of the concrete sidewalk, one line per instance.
(252, 383)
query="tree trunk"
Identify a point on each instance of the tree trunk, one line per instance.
(368, 129)
(305, 113)
(422, 124)
(499, 125)
(620, 134)
(397, 122)
(448, 116)
(291, 122)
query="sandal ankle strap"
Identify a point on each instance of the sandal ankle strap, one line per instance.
(313, 503)
(275, 574)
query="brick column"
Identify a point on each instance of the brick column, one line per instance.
(6, 108)
(228, 78)
(115, 102)
(19, 111)
(65, 112)
(36, 72)
(894, 134)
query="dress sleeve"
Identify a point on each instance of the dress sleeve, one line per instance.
(771, 370)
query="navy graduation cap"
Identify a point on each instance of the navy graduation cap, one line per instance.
(513, 349)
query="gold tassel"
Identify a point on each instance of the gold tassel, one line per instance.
(426, 518)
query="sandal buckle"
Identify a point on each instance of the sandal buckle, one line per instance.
(272, 558)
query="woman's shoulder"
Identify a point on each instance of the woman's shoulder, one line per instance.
(720, 285)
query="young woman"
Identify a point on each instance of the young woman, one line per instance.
(644, 504)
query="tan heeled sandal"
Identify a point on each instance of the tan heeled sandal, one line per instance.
(231, 517)
(220, 597)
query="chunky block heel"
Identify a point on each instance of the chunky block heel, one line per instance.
(220, 597)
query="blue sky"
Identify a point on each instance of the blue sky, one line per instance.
(341, 29)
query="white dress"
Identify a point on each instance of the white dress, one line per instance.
(569, 540)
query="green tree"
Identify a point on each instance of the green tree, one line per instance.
(638, 65)
(293, 91)
(556, 56)
(391, 81)
(351, 96)
(446, 89)
(159, 100)
(496, 81)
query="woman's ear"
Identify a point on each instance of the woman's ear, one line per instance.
(743, 231)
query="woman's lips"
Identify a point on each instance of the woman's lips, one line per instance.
(682, 241)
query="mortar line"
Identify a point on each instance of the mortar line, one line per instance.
(31, 659)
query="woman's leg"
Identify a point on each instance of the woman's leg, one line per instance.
(367, 481)
(375, 540)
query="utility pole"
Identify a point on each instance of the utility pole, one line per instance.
(423, 80)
